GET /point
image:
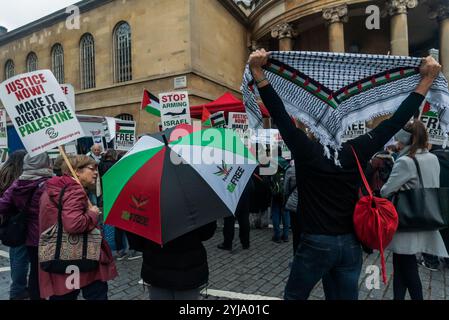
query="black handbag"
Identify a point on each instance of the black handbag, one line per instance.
(422, 209)
(13, 231)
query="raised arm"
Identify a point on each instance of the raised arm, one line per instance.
(296, 140)
(367, 145)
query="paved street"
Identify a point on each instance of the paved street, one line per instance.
(258, 273)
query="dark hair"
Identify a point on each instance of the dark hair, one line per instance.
(110, 155)
(120, 154)
(420, 138)
(11, 169)
(57, 166)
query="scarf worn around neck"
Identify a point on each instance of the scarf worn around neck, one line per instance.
(329, 91)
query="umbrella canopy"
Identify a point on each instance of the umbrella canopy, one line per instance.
(173, 182)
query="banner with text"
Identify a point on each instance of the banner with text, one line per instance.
(238, 120)
(125, 135)
(432, 123)
(39, 110)
(175, 109)
(354, 130)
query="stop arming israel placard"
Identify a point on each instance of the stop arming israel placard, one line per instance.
(175, 109)
(3, 132)
(39, 111)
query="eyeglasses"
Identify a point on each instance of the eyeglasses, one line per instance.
(91, 168)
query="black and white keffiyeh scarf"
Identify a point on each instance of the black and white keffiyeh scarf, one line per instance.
(329, 91)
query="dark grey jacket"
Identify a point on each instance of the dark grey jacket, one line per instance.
(290, 189)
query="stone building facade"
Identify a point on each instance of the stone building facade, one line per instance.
(124, 46)
(167, 39)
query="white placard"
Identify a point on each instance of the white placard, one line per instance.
(125, 135)
(238, 120)
(69, 92)
(180, 82)
(39, 110)
(175, 109)
(70, 148)
(432, 124)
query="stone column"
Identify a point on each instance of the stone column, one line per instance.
(440, 11)
(397, 9)
(285, 34)
(335, 17)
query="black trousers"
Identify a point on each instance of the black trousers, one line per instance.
(33, 280)
(406, 277)
(228, 229)
(97, 290)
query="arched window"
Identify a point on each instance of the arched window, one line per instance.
(125, 116)
(9, 69)
(57, 62)
(122, 52)
(87, 54)
(31, 62)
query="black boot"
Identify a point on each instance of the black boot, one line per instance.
(223, 247)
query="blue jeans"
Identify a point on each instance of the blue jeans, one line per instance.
(336, 259)
(19, 262)
(277, 214)
(97, 290)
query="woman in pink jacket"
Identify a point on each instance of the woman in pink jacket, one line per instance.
(78, 216)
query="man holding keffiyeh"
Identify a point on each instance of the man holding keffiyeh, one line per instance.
(329, 190)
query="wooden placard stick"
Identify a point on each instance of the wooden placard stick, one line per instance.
(69, 165)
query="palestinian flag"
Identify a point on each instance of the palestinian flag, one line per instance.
(151, 104)
(218, 119)
(205, 118)
(427, 111)
(124, 128)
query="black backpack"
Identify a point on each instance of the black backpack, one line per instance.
(13, 230)
(277, 186)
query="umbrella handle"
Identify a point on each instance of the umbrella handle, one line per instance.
(258, 177)
(165, 140)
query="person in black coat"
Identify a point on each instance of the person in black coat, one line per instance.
(242, 216)
(178, 269)
(107, 161)
(429, 261)
(329, 190)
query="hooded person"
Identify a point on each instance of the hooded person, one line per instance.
(18, 256)
(24, 196)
